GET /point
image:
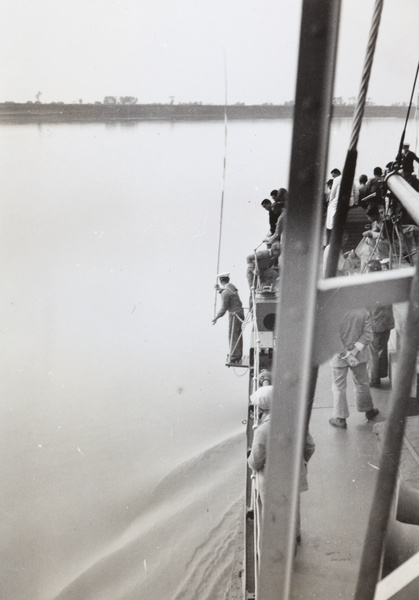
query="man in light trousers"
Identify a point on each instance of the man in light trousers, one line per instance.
(355, 334)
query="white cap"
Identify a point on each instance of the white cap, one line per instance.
(263, 397)
(223, 275)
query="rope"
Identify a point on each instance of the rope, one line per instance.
(256, 334)
(396, 233)
(244, 324)
(374, 249)
(399, 237)
(256, 532)
(351, 158)
(256, 364)
(224, 180)
(399, 155)
(417, 123)
(235, 316)
(257, 516)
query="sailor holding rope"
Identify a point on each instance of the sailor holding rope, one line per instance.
(231, 302)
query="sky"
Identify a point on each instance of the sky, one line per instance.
(186, 50)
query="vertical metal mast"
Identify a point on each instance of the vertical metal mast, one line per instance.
(297, 298)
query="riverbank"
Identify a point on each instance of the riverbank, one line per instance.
(56, 112)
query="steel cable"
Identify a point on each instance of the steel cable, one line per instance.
(352, 155)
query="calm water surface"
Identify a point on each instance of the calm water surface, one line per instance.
(112, 373)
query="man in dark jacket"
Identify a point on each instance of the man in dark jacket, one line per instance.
(408, 158)
(374, 190)
(273, 214)
(362, 189)
(230, 301)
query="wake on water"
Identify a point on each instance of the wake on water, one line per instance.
(186, 544)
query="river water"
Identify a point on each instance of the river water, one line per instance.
(122, 431)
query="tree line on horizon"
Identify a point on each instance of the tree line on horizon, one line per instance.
(132, 100)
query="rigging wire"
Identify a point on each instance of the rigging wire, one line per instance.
(352, 155)
(356, 128)
(374, 249)
(399, 154)
(224, 179)
(417, 123)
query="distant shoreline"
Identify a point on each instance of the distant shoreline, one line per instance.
(36, 112)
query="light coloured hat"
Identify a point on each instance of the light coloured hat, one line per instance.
(265, 375)
(263, 397)
(221, 275)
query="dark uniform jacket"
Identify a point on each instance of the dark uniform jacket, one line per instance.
(230, 301)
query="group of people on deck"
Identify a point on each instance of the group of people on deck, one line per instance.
(370, 254)
(368, 194)
(262, 274)
(364, 333)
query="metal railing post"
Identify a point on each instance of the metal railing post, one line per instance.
(298, 292)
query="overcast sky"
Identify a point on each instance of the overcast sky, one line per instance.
(158, 49)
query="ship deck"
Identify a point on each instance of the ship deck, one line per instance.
(335, 509)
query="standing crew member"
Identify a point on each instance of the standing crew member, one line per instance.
(408, 158)
(231, 302)
(355, 334)
(273, 214)
(374, 190)
(333, 203)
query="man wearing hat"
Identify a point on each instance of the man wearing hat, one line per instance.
(265, 378)
(262, 400)
(408, 157)
(230, 301)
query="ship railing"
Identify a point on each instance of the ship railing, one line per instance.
(262, 343)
